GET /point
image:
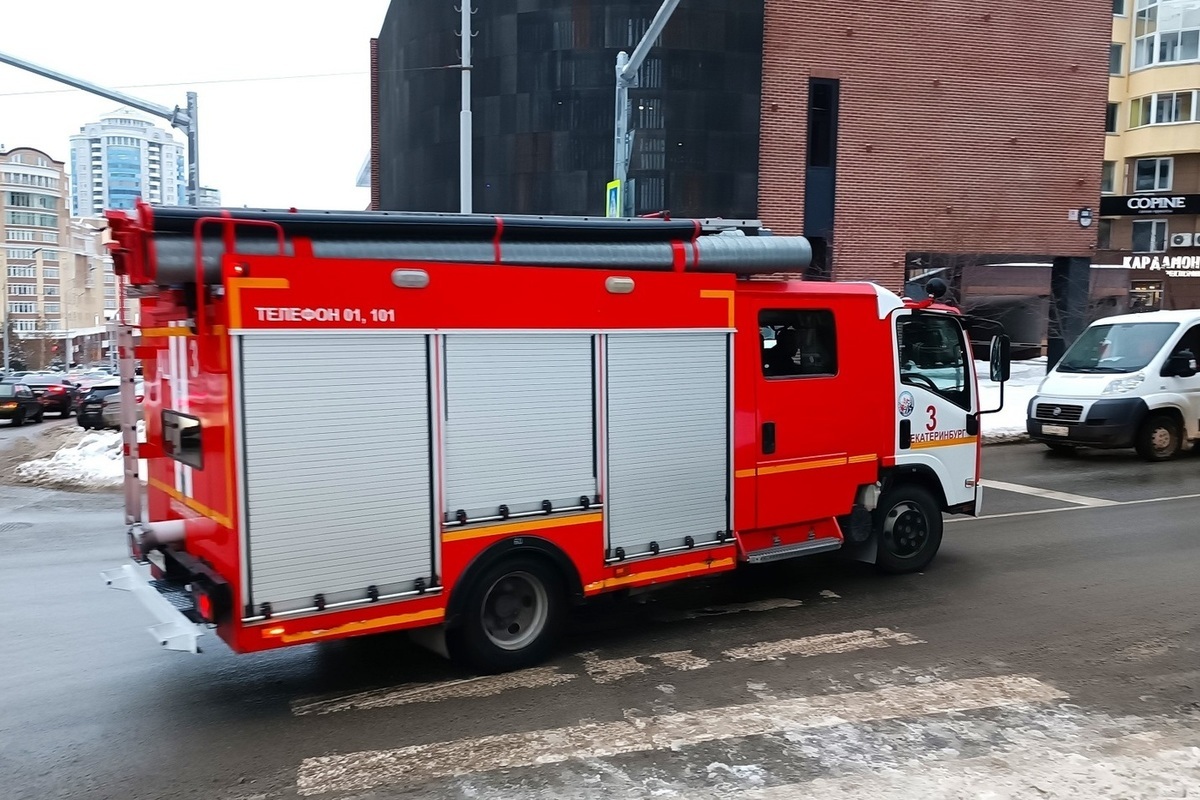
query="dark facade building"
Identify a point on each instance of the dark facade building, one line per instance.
(901, 138)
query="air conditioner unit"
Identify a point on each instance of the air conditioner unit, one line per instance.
(1182, 239)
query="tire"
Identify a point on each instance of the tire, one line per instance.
(1158, 438)
(18, 420)
(66, 412)
(524, 632)
(908, 529)
(1061, 449)
(40, 416)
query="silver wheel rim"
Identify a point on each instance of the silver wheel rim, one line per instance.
(515, 610)
(1161, 439)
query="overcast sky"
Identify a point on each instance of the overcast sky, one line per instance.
(263, 143)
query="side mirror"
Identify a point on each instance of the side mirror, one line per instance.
(1181, 365)
(1000, 359)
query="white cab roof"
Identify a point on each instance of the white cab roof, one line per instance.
(1186, 315)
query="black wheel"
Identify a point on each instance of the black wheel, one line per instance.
(40, 416)
(66, 412)
(908, 525)
(1061, 449)
(19, 419)
(511, 616)
(1159, 438)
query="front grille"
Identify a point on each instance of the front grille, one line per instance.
(1065, 413)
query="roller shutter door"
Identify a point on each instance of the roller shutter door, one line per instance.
(338, 488)
(668, 438)
(519, 422)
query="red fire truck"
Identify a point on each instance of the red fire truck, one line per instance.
(359, 422)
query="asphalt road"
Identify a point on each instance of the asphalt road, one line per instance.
(1051, 651)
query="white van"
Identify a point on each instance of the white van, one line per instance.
(1128, 381)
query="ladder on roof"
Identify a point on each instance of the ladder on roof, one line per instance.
(127, 361)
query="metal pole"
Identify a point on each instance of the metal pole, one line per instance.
(621, 129)
(7, 352)
(465, 131)
(192, 131)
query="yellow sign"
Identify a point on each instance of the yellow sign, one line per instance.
(613, 199)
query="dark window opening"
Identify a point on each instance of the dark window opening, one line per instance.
(819, 269)
(798, 343)
(822, 122)
(1110, 120)
(181, 438)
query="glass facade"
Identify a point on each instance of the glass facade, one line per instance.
(124, 176)
(543, 106)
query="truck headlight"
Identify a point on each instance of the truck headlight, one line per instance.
(1122, 385)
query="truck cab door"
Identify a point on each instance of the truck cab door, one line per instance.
(1186, 386)
(938, 405)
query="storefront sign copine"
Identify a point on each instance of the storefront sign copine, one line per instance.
(1173, 266)
(1157, 204)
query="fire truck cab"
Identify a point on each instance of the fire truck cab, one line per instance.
(557, 408)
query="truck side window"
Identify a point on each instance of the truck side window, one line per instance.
(932, 356)
(181, 438)
(798, 343)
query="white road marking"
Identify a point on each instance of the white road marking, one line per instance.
(483, 686)
(1114, 504)
(607, 670)
(822, 644)
(830, 595)
(1048, 494)
(419, 764)
(682, 660)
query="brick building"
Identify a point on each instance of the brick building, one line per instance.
(900, 138)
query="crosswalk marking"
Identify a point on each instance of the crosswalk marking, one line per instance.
(418, 764)
(483, 686)
(822, 644)
(600, 670)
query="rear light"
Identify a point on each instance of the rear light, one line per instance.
(211, 601)
(140, 397)
(55, 389)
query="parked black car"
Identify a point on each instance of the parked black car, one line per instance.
(56, 394)
(91, 403)
(18, 404)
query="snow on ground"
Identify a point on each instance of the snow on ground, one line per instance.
(1008, 424)
(85, 460)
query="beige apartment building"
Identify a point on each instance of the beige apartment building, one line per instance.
(56, 277)
(1149, 220)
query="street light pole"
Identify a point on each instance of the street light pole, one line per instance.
(183, 119)
(465, 130)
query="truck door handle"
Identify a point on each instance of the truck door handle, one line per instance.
(768, 438)
(972, 424)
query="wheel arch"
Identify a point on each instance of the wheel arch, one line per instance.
(919, 474)
(528, 546)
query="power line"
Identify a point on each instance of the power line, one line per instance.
(235, 80)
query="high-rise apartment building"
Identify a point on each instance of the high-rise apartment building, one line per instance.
(54, 269)
(209, 197)
(124, 157)
(1150, 204)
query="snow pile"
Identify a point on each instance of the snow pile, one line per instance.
(90, 461)
(1008, 424)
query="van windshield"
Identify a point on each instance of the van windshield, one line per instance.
(1123, 347)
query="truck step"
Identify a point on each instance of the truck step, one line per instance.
(780, 552)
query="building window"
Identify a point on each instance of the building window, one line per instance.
(25, 325)
(21, 252)
(22, 289)
(1153, 174)
(49, 236)
(822, 123)
(1116, 54)
(110, 291)
(1108, 177)
(1104, 234)
(1165, 32)
(52, 308)
(1149, 235)
(50, 291)
(22, 272)
(1118, 8)
(1165, 108)
(18, 235)
(1110, 120)
(50, 272)
(110, 305)
(798, 343)
(22, 308)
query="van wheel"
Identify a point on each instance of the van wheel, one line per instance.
(512, 615)
(908, 526)
(1158, 439)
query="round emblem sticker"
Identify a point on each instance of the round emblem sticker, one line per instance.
(907, 403)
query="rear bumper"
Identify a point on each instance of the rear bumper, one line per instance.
(1108, 423)
(174, 629)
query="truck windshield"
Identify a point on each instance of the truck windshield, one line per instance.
(1121, 347)
(933, 356)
